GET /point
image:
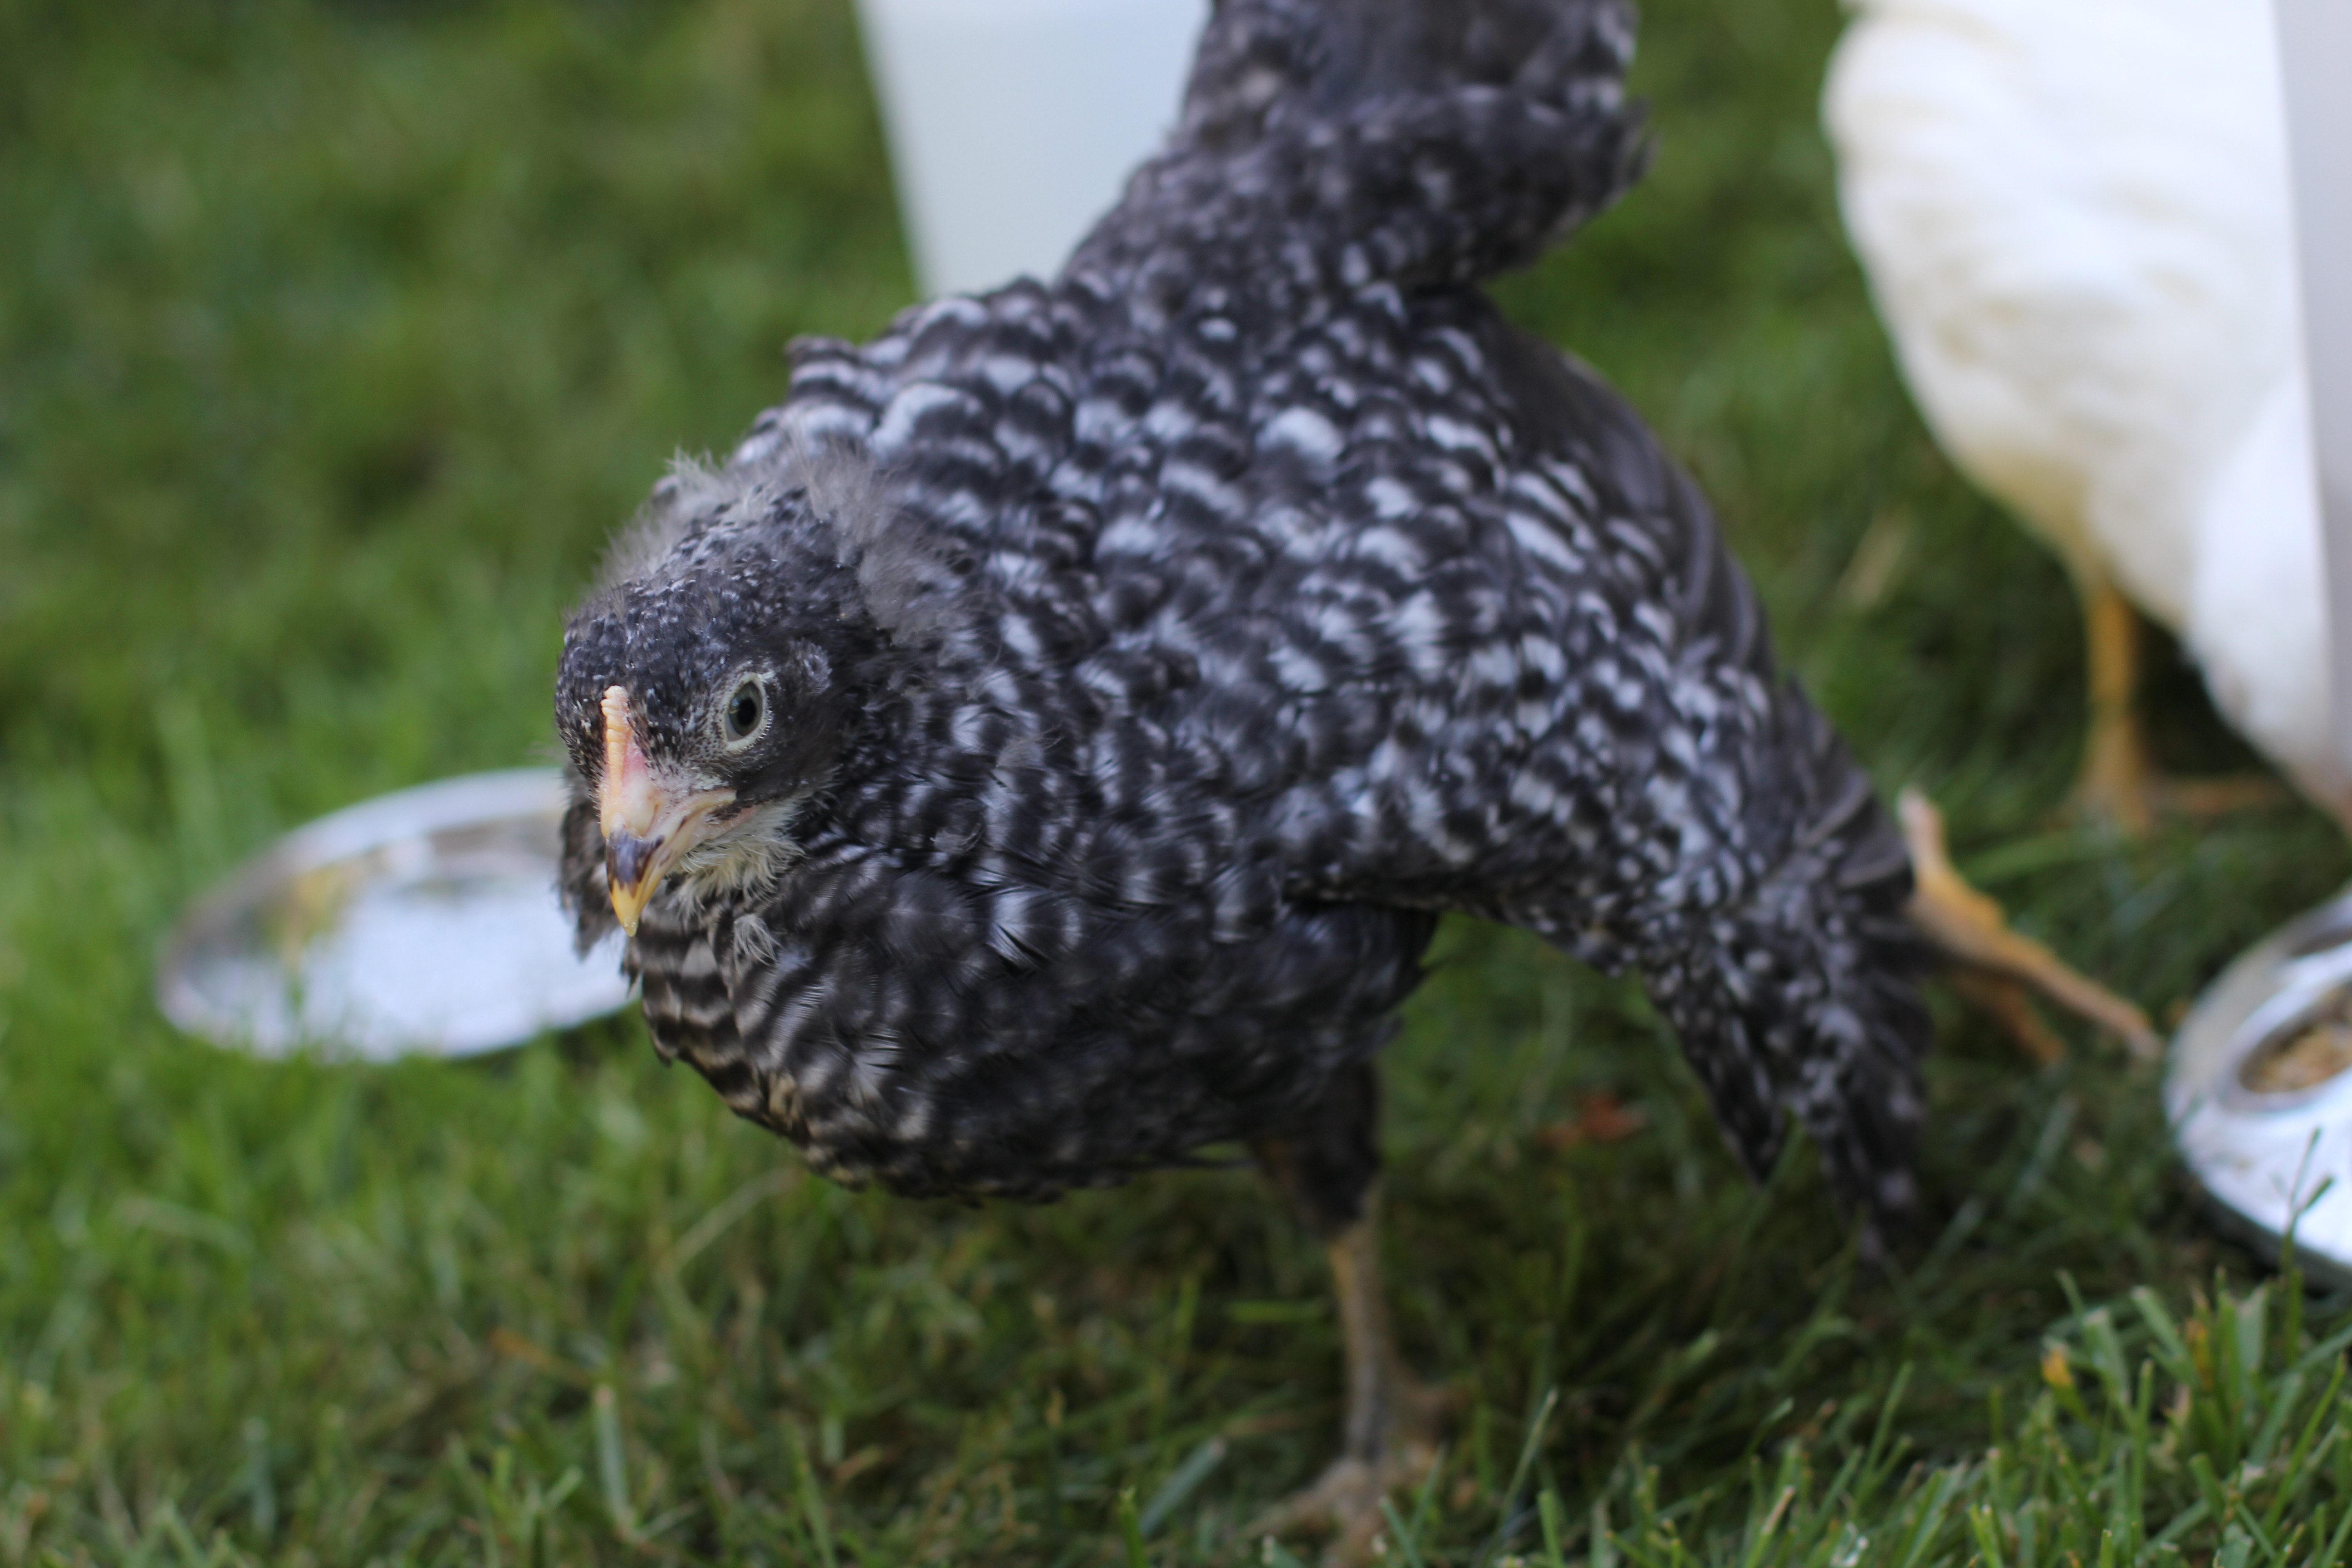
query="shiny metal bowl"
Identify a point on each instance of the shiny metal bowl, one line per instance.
(2260, 1097)
(421, 922)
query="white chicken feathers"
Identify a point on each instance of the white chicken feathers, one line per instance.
(2076, 218)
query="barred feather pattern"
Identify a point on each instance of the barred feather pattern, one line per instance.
(1207, 620)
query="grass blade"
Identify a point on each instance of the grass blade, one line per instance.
(612, 1463)
(1130, 1529)
(1180, 1485)
(811, 1499)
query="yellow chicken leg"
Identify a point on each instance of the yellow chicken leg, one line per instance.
(1393, 1420)
(2119, 782)
(1970, 930)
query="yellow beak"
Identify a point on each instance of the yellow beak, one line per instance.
(650, 820)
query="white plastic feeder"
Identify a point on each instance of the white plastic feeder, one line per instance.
(1012, 124)
(2260, 1085)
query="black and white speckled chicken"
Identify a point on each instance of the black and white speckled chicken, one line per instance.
(1047, 745)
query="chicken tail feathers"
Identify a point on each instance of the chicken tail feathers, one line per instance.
(1348, 142)
(1799, 1000)
(1264, 62)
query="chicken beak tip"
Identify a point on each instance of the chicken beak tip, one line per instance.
(632, 869)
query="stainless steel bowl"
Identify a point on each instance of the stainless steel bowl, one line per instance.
(2260, 1097)
(421, 922)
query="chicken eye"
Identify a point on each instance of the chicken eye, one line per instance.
(745, 714)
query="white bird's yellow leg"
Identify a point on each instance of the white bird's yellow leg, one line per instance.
(2115, 781)
(2120, 783)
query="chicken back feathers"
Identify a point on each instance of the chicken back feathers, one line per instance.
(1180, 636)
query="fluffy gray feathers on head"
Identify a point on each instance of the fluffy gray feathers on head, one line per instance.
(692, 491)
(1203, 622)
(907, 575)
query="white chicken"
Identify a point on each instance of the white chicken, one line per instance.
(2076, 222)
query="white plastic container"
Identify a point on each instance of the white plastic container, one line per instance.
(421, 922)
(2315, 50)
(1013, 124)
(2278, 1155)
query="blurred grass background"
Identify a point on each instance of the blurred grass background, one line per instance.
(334, 338)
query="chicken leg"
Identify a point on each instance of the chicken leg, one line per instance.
(1392, 1421)
(2000, 966)
(2119, 782)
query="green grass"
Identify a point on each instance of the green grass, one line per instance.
(334, 338)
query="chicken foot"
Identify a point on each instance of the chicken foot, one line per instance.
(1999, 967)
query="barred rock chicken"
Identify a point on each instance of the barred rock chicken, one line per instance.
(1047, 745)
(2077, 226)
